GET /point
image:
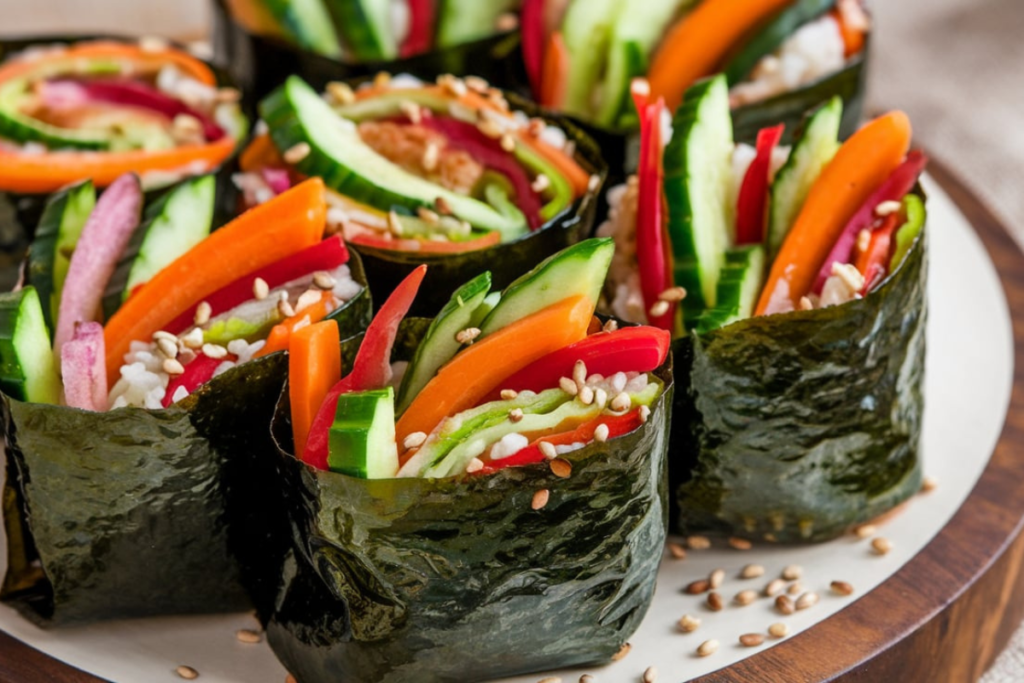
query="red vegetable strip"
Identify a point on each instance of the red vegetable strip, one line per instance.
(421, 28)
(197, 373)
(532, 32)
(326, 255)
(372, 367)
(752, 215)
(554, 81)
(83, 366)
(894, 189)
(873, 261)
(103, 240)
(314, 366)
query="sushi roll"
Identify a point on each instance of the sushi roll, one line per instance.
(264, 41)
(794, 283)
(97, 109)
(450, 174)
(137, 357)
(509, 463)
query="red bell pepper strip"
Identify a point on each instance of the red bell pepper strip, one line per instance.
(752, 213)
(487, 151)
(326, 255)
(900, 183)
(372, 366)
(873, 261)
(555, 78)
(652, 246)
(197, 373)
(421, 28)
(533, 35)
(630, 349)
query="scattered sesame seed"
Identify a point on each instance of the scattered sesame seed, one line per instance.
(714, 602)
(454, 86)
(467, 335)
(167, 347)
(746, 597)
(928, 485)
(508, 143)
(324, 280)
(863, 240)
(515, 415)
(842, 588)
(792, 572)
(475, 465)
(442, 206)
(795, 589)
(194, 339)
(431, 157)
(382, 79)
(881, 545)
(476, 84)
(784, 604)
(428, 216)
(561, 468)
(540, 499)
(673, 294)
(601, 433)
(778, 630)
(260, 288)
(395, 223)
(548, 450)
(807, 600)
(622, 402)
(600, 398)
(161, 334)
(186, 356)
(247, 635)
(621, 654)
(752, 571)
(751, 640)
(412, 112)
(774, 588)
(586, 395)
(587, 678)
(540, 183)
(887, 208)
(851, 277)
(203, 313)
(550, 679)
(214, 351)
(594, 183)
(490, 128)
(611, 326)
(697, 587)
(414, 440)
(173, 367)
(659, 309)
(579, 372)
(568, 386)
(187, 672)
(689, 624)
(284, 307)
(185, 126)
(806, 304)
(698, 543)
(716, 578)
(707, 648)
(509, 394)
(865, 531)
(645, 413)
(297, 153)
(307, 299)
(677, 551)
(740, 543)
(650, 675)
(341, 93)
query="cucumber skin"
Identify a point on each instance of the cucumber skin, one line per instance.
(738, 288)
(358, 439)
(365, 40)
(23, 338)
(20, 128)
(296, 26)
(451, 33)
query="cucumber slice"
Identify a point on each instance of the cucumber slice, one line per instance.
(49, 257)
(738, 288)
(175, 223)
(365, 27)
(916, 213)
(773, 36)
(587, 31)
(361, 442)
(21, 128)
(579, 270)
(438, 345)
(28, 371)
(698, 177)
(296, 114)
(813, 151)
(307, 23)
(463, 21)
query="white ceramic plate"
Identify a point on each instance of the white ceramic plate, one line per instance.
(970, 368)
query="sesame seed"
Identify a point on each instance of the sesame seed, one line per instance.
(673, 294)
(792, 572)
(194, 339)
(774, 587)
(887, 208)
(187, 672)
(490, 128)
(161, 334)
(601, 433)
(467, 335)
(153, 44)
(412, 112)
(586, 395)
(550, 679)
(587, 678)
(568, 386)
(540, 499)
(186, 126)
(540, 183)
(341, 93)
(561, 468)
(795, 589)
(740, 543)
(807, 600)
(784, 604)
(806, 304)
(516, 415)
(697, 587)
(751, 640)
(865, 531)
(260, 289)
(698, 543)
(645, 413)
(475, 465)
(841, 588)
(659, 309)
(186, 356)
(928, 485)
(850, 276)
(382, 79)
(650, 675)
(714, 602)
(611, 326)
(863, 240)
(167, 347)
(414, 440)
(621, 654)
(594, 183)
(506, 22)
(453, 85)
(547, 449)
(442, 206)
(476, 84)
(324, 281)
(744, 598)
(395, 223)
(285, 308)
(778, 630)
(622, 402)
(431, 157)
(203, 313)
(214, 351)
(508, 143)
(297, 153)
(173, 367)
(716, 578)
(881, 545)
(689, 624)
(677, 551)
(600, 398)
(307, 299)
(707, 648)
(247, 635)
(509, 394)
(752, 571)
(428, 216)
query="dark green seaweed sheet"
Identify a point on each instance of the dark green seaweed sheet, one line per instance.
(459, 579)
(123, 513)
(795, 427)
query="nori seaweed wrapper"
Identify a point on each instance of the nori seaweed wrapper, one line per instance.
(123, 513)
(261, 63)
(796, 427)
(459, 579)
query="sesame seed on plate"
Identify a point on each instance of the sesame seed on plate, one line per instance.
(707, 648)
(249, 636)
(187, 672)
(688, 623)
(751, 640)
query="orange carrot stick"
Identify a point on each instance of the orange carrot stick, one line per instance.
(556, 72)
(261, 153)
(283, 226)
(314, 366)
(476, 371)
(698, 44)
(281, 335)
(860, 167)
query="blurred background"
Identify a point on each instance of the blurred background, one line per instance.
(956, 66)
